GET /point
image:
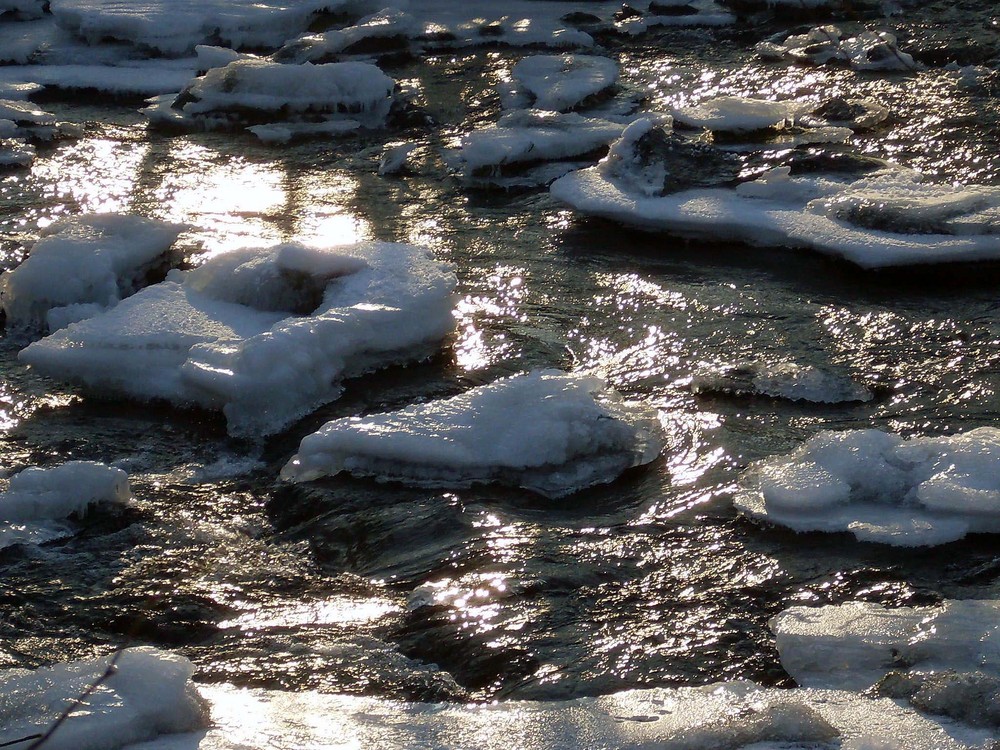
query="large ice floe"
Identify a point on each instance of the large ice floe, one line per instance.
(559, 82)
(265, 335)
(147, 693)
(869, 50)
(547, 431)
(724, 716)
(880, 487)
(38, 501)
(82, 266)
(276, 101)
(532, 147)
(655, 180)
(944, 660)
(787, 380)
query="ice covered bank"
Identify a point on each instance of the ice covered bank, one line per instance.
(547, 431)
(277, 101)
(880, 487)
(149, 693)
(787, 380)
(945, 660)
(265, 335)
(82, 266)
(725, 716)
(652, 180)
(37, 501)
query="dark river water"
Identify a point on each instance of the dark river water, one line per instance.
(352, 586)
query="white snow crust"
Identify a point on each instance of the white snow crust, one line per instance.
(149, 694)
(737, 114)
(788, 380)
(561, 82)
(334, 96)
(891, 218)
(852, 646)
(93, 260)
(551, 432)
(36, 496)
(265, 335)
(869, 50)
(880, 487)
(724, 716)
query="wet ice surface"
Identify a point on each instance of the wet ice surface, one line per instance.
(349, 586)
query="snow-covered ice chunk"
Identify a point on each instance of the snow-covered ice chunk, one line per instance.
(890, 218)
(869, 50)
(561, 82)
(131, 78)
(265, 335)
(723, 716)
(527, 137)
(880, 487)
(547, 431)
(37, 496)
(252, 92)
(787, 380)
(395, 159)
(673, 13)
(507, 31)
(22, 126)
(149, 694)
(737, 114)
(175, 27)
(94, 260)
(389, 30)
(852, 646)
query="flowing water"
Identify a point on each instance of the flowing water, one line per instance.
(651, 581)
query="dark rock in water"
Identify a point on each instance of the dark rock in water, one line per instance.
(659, 9)
(970, 697)
(491, 29)
(839, 109)
(580, 18)
(819, 161)
(687, 162)
(626, 12)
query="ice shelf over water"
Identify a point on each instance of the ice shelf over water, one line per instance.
(560, 82)
(37, 500)
(148, 694)
(724, 716)
(890, 218)
(84, 265)
(547, 431)
(250, 92)
(787, 380)
(943, 660)
(265, 335)
(880, 487)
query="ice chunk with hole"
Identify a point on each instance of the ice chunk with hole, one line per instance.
(148, 693)
(84, 265)
(265, 335)
(550, 432)
(880, 487)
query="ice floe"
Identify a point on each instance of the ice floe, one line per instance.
(127, 79)
(651, 180)
(265, 335)
(787, 380)
(82, 266)
(550, 432)
(504, 154)
(37, 501)
(148, 693)
(389, 30)
(738, 114)
(671, 13)
(505, 31)
(22, 126)
(853, 646)
(724, 716)
(880, 487)
(869, 50)
(280, 100)
(559, 82)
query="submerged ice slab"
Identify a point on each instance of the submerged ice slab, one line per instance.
(736, 114)
(880, 487)
(854, 645)
(148, 694)
(84, 265)
(787, 380)
(36, 496)
(725, 716)
(265, 335)
(890, 218)
(251, 92)
(562, 82)
(550, 432)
